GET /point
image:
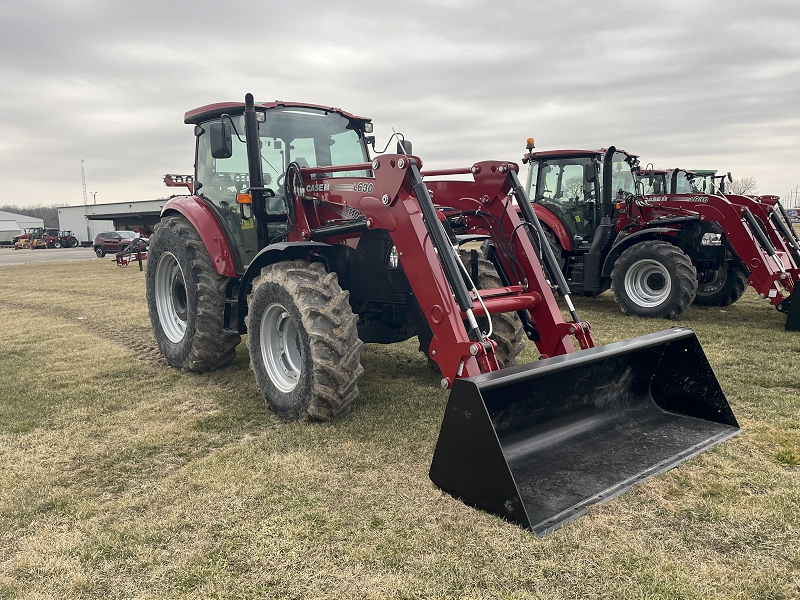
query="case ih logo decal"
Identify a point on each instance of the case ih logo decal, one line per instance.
(695, 199)
(318, 187)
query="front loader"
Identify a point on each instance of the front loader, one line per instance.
(294, 236)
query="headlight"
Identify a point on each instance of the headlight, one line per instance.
(711, 239)
(393, 259)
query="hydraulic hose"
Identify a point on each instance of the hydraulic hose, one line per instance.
(552, 264)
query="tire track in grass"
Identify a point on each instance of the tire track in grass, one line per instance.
(140, 340)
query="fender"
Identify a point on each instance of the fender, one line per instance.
(555, 225)
(213, 234)
(620, 245)
(313, 251)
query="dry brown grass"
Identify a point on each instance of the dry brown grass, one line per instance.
(122, 478)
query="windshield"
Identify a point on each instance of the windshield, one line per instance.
(683, 183)
(563, 180)
(653, 184)
(127, 234)
(623, 181)
(309, 137)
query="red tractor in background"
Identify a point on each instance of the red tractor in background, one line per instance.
(294, 235)
(723, 287)
(60, 239)
(655, 251)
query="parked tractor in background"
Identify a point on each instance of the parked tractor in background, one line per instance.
(295, 236)
(706, 181)
(61, 239)
(30, 238)
(655, 251)
(722, 287)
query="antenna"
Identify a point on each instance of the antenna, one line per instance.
(83, 181)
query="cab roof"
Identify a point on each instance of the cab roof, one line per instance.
(545, 154)
(212, 111)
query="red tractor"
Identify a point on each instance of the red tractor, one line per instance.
(295, 236)
(61, 239)
(662, 251)
(769, 220)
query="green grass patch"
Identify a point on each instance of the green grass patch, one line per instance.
(123, 478)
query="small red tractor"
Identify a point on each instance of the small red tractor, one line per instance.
(60, 239)
(658, 251)
(294, 235)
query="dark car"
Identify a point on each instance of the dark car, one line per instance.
(113, 241)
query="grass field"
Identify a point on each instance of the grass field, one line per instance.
(123, 478)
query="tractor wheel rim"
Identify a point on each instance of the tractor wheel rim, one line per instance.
(171, 300)
(647, 283)
(716, 281)
(280, 348)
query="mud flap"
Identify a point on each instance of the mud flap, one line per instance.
(793, 314)
(538, 443)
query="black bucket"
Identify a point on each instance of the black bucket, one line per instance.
(793, 316)
(536, 444)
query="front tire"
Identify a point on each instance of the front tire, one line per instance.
(99, 252)
(186, 299)
(303, 341)
(720, 287)
(654, 279)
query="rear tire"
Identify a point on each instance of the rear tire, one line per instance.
(654, 279)
(303, 341)
(720, 287)
(72, 243)
(186, 299)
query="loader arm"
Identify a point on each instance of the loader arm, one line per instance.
(769, 275)
(396, 200)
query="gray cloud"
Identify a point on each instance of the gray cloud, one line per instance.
(695, 84)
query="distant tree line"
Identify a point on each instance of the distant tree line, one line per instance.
(48, 214)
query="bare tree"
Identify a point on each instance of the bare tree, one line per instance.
(745, 185)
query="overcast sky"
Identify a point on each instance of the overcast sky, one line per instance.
(696, 84)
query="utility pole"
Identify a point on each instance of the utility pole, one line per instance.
(83, 181)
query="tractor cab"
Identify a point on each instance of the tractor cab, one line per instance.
(653, 181)
(569, 184)
(250, 195)
(681, 181)
(708, 182)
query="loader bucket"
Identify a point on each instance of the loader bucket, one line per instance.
(793, 316)
(538, 443)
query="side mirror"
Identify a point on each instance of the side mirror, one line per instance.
(589, 172)
(730, 177)
(220, 139)
(404, 147)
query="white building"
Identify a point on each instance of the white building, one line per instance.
(87, 221)
(12, 224)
